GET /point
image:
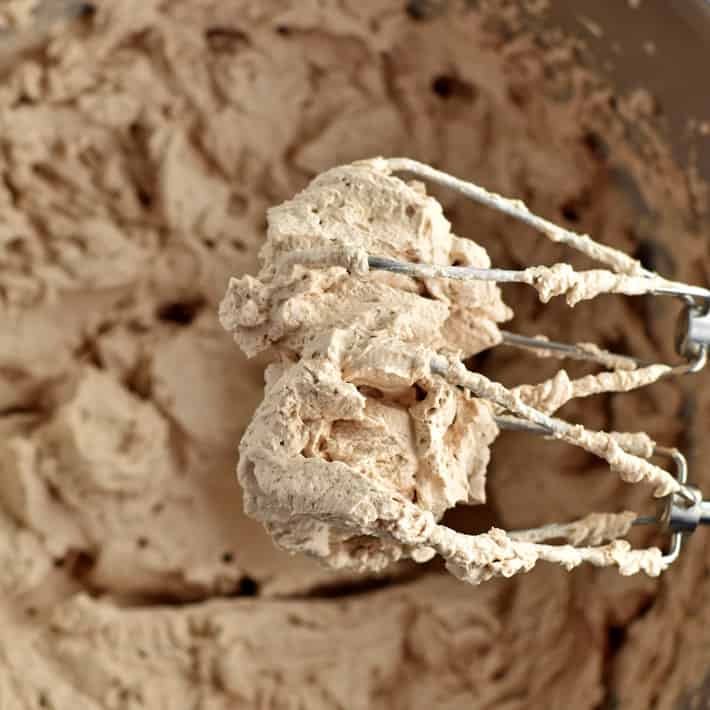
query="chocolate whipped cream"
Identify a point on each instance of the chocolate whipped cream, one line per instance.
(351, 440)
(141, 148)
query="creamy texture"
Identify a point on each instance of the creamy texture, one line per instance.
(563, 280)
(592, 529)
(551, 395)
(341, 461)
(141, 150)
(352, 210)
(17, 13)
(359, 422)
(631, 468)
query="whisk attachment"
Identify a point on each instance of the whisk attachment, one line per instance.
(679, 513)
(693, 335)
(683, 509)
(385, 355)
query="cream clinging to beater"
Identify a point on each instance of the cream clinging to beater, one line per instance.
(371, 426)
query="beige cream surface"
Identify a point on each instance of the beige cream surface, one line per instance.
(141, 148)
